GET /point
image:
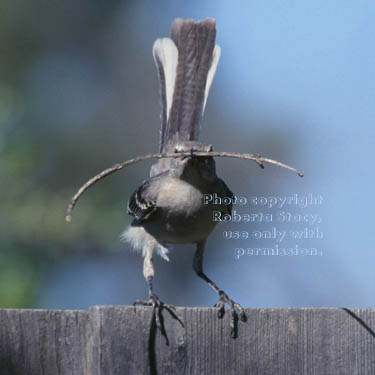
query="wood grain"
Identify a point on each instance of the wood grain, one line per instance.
(123, 340)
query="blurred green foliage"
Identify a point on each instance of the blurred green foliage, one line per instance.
(44, 157)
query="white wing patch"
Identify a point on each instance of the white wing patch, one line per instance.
(211, 73)
(166, 52)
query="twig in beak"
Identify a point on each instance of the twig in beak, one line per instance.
(257, 158)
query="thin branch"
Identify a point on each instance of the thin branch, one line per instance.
(257, 158)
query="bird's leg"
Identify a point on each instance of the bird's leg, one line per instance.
(235, 309)
(154, 301)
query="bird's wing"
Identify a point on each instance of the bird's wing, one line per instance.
(142, 203)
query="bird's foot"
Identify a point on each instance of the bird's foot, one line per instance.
(158, 307)
(236, 312)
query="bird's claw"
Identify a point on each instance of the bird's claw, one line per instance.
(158, 306)
(236, 312)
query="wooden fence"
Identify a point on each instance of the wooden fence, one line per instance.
(122, 340)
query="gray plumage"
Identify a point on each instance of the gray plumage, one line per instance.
(195, 42)
(168, 207)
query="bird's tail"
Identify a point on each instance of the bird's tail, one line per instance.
(186, 63)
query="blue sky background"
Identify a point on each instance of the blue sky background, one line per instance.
(296, 82)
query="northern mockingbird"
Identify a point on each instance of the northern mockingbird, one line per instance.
(169, 207)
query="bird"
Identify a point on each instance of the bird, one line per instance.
(168, 208)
